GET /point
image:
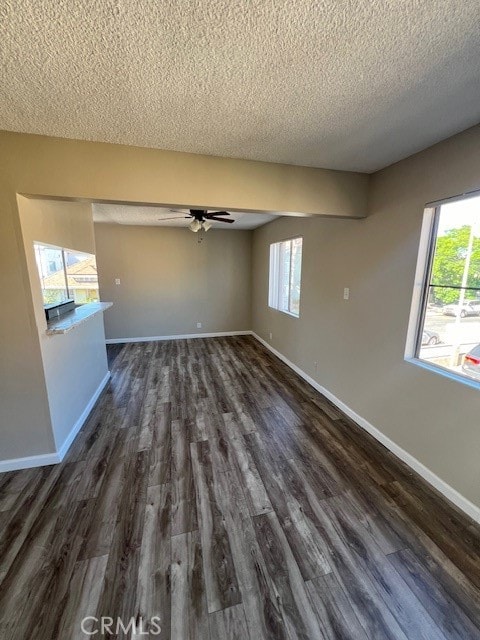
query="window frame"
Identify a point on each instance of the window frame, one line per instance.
(432, 241)
(423, 273)
(70, 292)
(274, 280)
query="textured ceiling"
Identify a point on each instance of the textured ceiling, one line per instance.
(347, 84)
(155, 216)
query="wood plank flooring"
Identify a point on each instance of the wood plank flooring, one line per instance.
(215, 491)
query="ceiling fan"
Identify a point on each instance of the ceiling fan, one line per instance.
(201, 218)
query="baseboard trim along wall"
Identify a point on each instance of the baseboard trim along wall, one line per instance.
(445, 489)
(183, 336)
(62, 451)
(45, 459)
(449, 492)
(42, 460)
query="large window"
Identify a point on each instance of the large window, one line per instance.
(66, 274)
(448, 331)
(285, 276)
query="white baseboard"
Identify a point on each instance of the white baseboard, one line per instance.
(42, 460)
(183, 336)
(46, 459)
(449, 492)
(81, 420)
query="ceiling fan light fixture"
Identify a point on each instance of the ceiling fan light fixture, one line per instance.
(206, 225)
(195, 226)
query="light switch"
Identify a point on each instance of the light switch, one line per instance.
(117, 280)
(346, 293)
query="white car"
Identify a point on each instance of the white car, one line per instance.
(470, 308)
(430, 338)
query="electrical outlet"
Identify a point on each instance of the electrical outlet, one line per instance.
(117, 280)
(270, 335)
(346, 293)
(199, 325)
(315, 366)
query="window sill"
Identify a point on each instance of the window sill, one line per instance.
(70, 320)
(287, 313)
(446, 373)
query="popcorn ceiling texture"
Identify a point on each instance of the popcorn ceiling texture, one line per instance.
(345, 84)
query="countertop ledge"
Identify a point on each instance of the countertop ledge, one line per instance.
(70, 320)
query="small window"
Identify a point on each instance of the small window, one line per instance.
(66, 274)
(448, 332)
(82, 278)
(285, 276)
(52, 274)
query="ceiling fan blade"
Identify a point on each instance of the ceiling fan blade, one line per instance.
(216, 213)
(220, 219)
(177, 218)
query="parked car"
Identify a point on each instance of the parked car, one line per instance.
(471, 308)
(471, 362)
(430, 338)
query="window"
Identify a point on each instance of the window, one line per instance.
(52, 274)
(82, 278)
(66, 274)
(448, 330)
(285, 276)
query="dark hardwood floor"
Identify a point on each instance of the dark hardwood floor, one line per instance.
(214, 489)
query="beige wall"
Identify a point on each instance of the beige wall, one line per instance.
(53, 167)
(359, 345)
(41, 165)
(169, 281)
(74, 364)
(64, 224)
